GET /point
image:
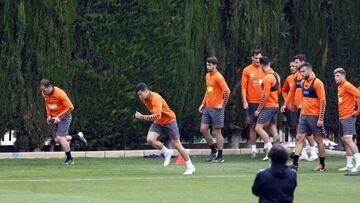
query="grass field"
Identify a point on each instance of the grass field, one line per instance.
(146, 180)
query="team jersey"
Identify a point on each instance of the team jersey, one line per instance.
(298, 92)
(347, 95)
(314, 98)
(271, 89)
(217, 91)
(58, 103)
(160, 111)
(251, 80)
(288, 84)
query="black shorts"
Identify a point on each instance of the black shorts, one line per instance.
(293, 117)
(251, 119)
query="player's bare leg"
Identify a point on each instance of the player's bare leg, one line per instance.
(152, 139)
(204, 129)
(190, 168)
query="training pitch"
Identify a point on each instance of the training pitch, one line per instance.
(146, 180)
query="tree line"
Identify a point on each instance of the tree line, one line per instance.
(97, 51)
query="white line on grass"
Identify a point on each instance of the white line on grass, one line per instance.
(139, 178)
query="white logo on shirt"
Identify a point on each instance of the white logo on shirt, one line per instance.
(52, 106)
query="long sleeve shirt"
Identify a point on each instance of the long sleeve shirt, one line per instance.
(217, 90)
(347, 95)
(271, 90)
(160, 111)
(58, 103)
(251, 80)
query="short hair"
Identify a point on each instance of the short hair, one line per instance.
(213, 60)
(306, 64)
(46, 83)
(264, 61)
(278, 154)
(141, 87)
(256, 52)
(340, 70)
(301, 57)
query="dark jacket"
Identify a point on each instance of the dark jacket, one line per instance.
(275, 184)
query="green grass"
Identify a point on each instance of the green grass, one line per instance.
(146, 180)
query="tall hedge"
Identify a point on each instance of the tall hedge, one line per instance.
(98, 50)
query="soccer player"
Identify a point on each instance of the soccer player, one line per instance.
(291, 110)
(269, 105)
(251, 90)
(347, 95)
(164, 123)
(299, 60)
(312, 114)
(58, 107)
(213, 108)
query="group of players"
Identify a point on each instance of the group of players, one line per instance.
(303, 94)
(305, 104)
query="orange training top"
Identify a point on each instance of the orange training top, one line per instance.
(271, 90)
(217, 91)
(58, 103)
(347, 95)
(251, 80)
(288, 84)
(159, 109)
(314, 98)
(298, 92)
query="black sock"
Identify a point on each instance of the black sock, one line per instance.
(213, 148)
(75, 137)
(68, 155)
(322, 161)
(219, 153)
(296, 160)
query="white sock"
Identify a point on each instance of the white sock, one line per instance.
(188, 163)
(349, 162)
(253, 148)
(268, 146)
(313, 151)
(304, 152)
(165, 150)
(357, 159)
